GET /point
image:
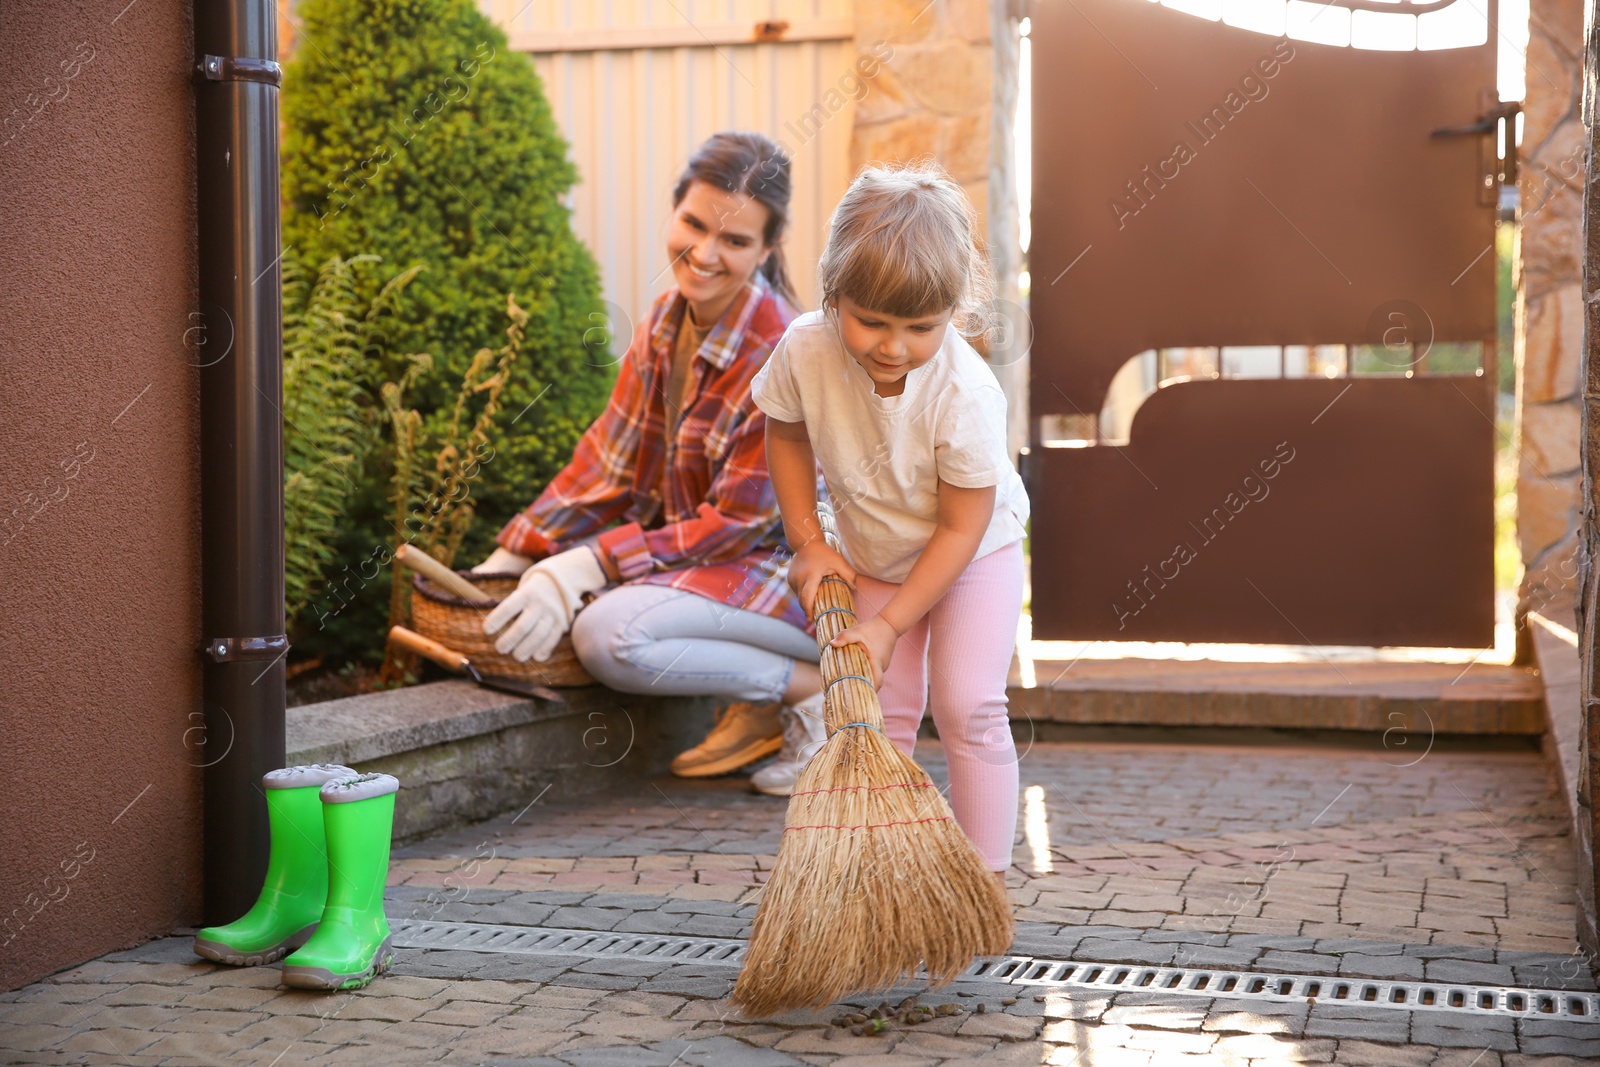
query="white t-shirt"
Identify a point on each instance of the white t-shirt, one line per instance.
(883, 457)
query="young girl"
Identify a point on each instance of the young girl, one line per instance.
(909, 425)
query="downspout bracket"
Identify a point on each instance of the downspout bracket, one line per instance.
(232, 649)
(240, 69)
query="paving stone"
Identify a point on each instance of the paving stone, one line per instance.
(1275, 960)
(624, 966)
(997, 1024)
(382, 1008)
(1479, 954)
(714, 926)
(1343, 945)
(30, 1037)
(1206, 956)
(1257, 1016)
(517, 913)
(688, 987)
(1359, 964)
(214, 1022)
(524, 969)
(161, 950)
(1264, 942)
(1272, 1049)
(206, 1047)
(1382, 1024)
(1567, 972)
(1076, 1006)
(143, 993)
(1115, 933)
(1467, 972)
(617, 1056)
(724, 1052)
(843, 1043)
(1588, 1051)
(1437, 1028)
(1470, 1057)
(74, 993)
(604, 981)
(584, 918)
(1536, 1026)
(703, 907)
(279, 1028)
(1172, 1013)
(1124, 951)
(113, 1041)
(623, 901)
(465, 1013)
(653, 922)
(1358, 1053)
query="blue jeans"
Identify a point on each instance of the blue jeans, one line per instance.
(656, 639)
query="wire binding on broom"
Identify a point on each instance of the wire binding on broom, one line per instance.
(846, 678)
(869, 826)
(869, 788)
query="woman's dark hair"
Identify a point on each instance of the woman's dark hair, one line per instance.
(751, 164)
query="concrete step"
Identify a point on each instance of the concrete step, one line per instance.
(1418, 698)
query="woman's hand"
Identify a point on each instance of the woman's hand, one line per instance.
(878, 637)
(503, 561)
(814, 562)
(541, 609)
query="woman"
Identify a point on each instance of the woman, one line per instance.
(666, 506)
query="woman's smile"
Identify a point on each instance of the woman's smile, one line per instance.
(703, 272)
(730, 226)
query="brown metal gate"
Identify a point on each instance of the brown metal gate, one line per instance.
(1197, 184)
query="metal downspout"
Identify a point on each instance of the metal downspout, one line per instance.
(241, 433)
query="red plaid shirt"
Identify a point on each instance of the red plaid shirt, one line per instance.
(717, 533)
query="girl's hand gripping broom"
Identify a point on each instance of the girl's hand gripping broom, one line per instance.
(873, 878)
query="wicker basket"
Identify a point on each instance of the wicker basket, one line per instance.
(458, 624)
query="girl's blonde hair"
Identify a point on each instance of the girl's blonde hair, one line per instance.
(904, 241)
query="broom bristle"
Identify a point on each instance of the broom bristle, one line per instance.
(874, 878)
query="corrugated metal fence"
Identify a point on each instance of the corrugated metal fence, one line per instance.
(636, 84)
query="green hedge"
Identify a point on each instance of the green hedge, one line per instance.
(413, 133)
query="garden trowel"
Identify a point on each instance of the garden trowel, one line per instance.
(457, 663)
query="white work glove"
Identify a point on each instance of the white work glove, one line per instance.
(541, 609)
(503, 561)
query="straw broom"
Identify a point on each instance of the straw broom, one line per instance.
(874, 878)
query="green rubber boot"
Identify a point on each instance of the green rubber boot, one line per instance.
(286, 913)
(351, 944)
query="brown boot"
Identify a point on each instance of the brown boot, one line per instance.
(745, 732)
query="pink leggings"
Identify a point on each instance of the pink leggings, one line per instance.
(967, 638)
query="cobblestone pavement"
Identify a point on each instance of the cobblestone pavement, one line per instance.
(1405, 863)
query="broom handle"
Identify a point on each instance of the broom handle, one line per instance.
(430, 568)
(853, 699)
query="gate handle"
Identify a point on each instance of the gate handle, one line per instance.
(1485, 124)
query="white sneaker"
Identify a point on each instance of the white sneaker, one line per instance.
(803, 735)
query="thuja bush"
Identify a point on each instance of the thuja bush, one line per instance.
(413, 133)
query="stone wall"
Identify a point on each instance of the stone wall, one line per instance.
(948, 92)
(932, 96)
(1549, 333)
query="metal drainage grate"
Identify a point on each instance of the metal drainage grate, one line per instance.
(1251, 985)
(550, 941)
(1041, 973)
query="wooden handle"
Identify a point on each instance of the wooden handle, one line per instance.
(430, 568)
(448, 658)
